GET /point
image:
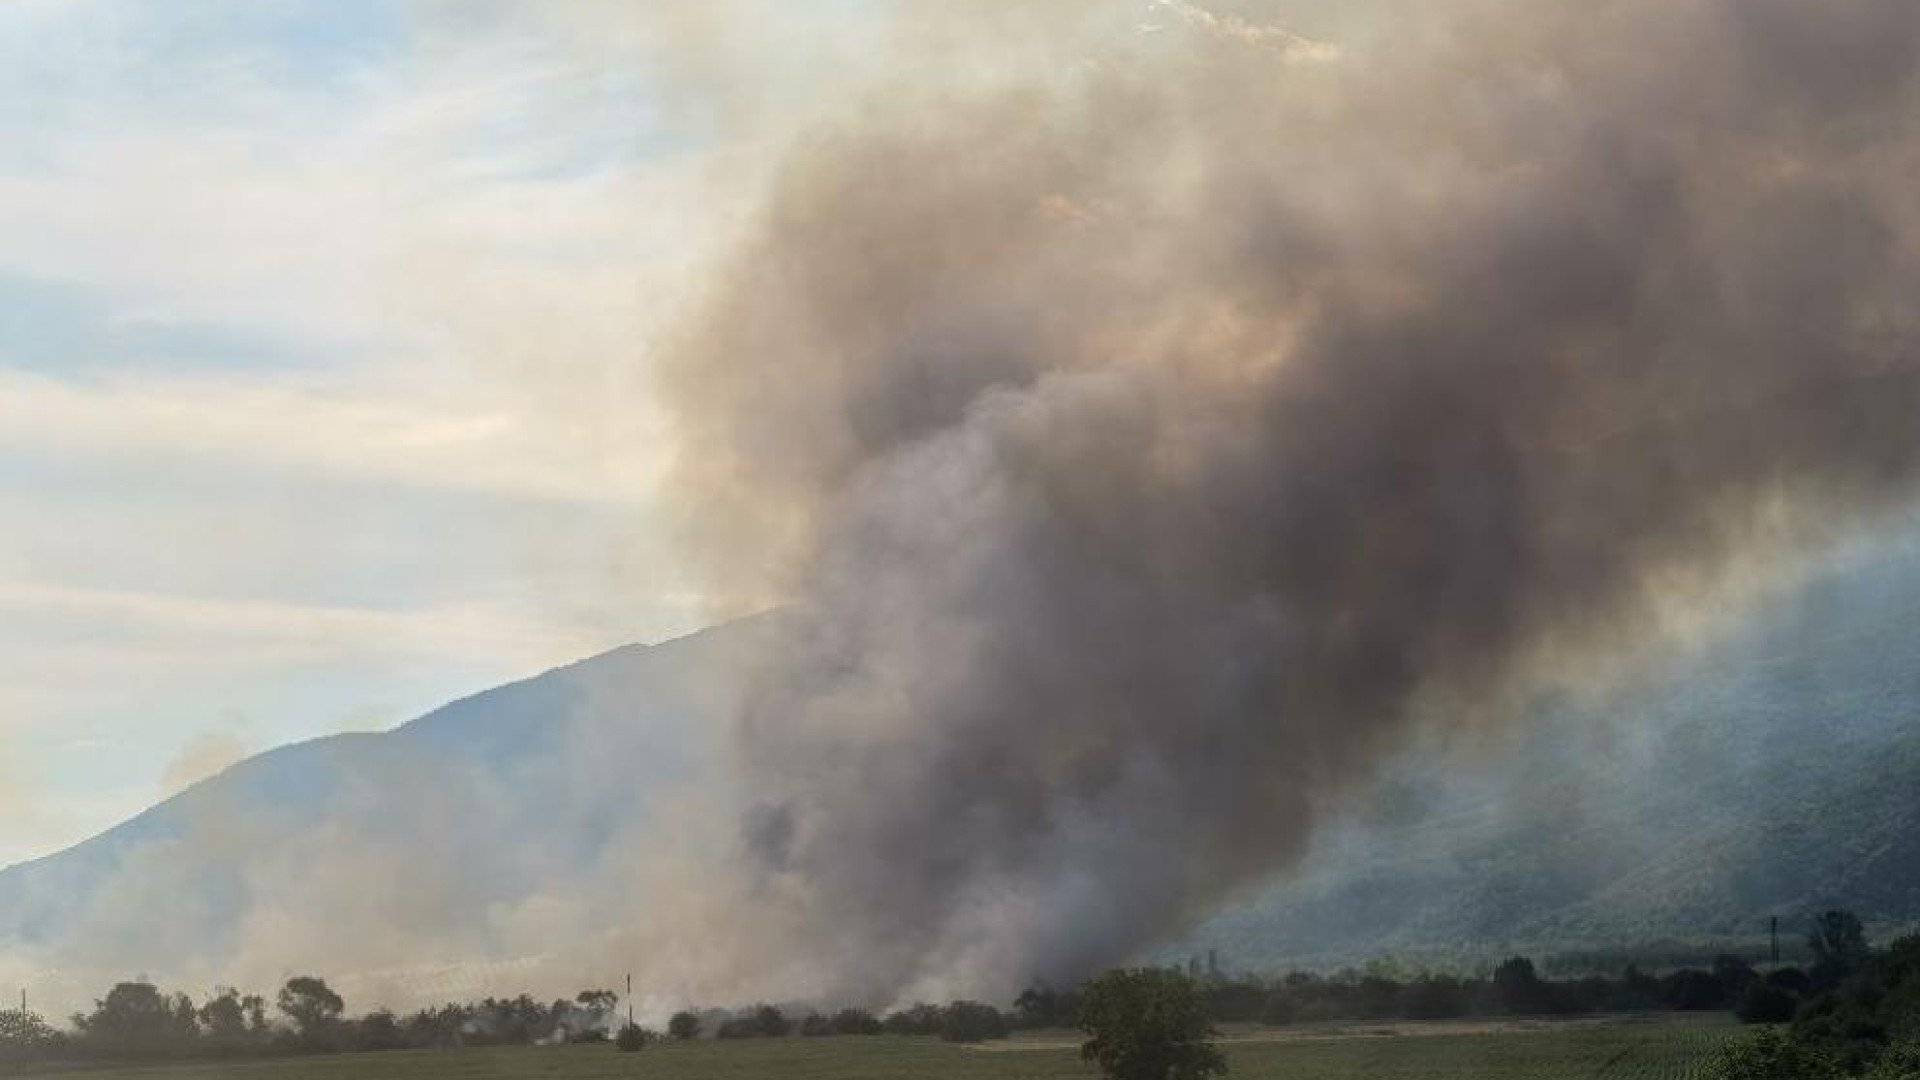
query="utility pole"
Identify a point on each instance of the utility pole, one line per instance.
(1773, 933)
(629, 999)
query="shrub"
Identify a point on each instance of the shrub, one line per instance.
(1279, 1009)
(1900, 1062)
(1765, 1003)
(1434, 998)
(1770, 1055)
(1791, 979)
(1692, 990)
(684, 1025)
(761, 1022)
(1148, 1024)
(855, 1022)
(921, 1019)
(971, 1021)
(771, 1022)
(633, 1037)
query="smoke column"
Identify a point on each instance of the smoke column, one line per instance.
(1154, 426)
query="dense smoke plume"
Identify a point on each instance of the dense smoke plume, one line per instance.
(1156, 425)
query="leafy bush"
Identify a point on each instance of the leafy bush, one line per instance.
(1770, 1055)
(815, 1026)
(761, 1022)
(970, 1022)
(632, 1037)
(1148, 1024)
(919, 1019)
(855, 1022)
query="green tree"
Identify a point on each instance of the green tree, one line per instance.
(224, 1017)
(136, 1019)
(599, 1005)
(312, 1006)
(23, 1033)
(1839, 944)
(379, 1030)
(632, 1037)
(684, 1025)
(1148, 1024)
(1042, 1006)
(1518, 988)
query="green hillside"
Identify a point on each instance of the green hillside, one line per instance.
(1777, 776)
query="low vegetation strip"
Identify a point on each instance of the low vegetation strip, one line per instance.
(1854, 1012)
(1618, 1049)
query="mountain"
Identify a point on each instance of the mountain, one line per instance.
(1773, 775)
(411, 846)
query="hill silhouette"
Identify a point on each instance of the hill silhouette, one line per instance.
(1772, 776)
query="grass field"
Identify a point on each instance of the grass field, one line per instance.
(1627, 1049)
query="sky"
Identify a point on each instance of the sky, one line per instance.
(322, 373)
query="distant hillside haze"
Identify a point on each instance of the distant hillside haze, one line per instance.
(445, 842)
(1771, 776)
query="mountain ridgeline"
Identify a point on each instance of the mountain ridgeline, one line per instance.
(1770, 777)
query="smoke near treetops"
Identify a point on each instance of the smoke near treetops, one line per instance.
(1153, 430)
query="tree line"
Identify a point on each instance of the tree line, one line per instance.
(1847, 1006)
(1513, 988)
(1855, 1014)
(137, 1020)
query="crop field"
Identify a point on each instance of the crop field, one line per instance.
(1626, 1049)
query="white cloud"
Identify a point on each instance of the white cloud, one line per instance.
(463, 248)
(348, 428)
(178, 629)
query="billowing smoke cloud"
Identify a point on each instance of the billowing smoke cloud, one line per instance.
(1152, 435)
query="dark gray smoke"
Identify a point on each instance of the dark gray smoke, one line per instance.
(1153, 436)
